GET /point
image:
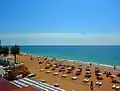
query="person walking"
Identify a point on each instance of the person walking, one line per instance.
(91, 85)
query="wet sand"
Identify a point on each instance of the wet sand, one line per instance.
(65, 83)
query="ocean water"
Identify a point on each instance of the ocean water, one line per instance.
(109, 55)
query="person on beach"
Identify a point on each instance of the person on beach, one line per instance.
(114, 67)
(90, 64)
(91, 85)
(31, 58)
(98, 64)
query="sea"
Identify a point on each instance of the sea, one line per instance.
(105, 55)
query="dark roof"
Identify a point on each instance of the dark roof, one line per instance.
(6, 85)
(25, 89)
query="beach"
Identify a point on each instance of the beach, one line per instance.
(66, 83)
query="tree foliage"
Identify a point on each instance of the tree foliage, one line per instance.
(4, 50)
(15, 50)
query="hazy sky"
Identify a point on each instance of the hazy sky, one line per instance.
(63, 22)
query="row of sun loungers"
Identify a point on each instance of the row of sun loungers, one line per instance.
(98, 83)
(117, 88)
(25, 82)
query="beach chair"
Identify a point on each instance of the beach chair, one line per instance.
(117, 88)
(56, 85)
(97, 70)
(85, 80)
(48, 71)
(78, 73)
(88, 69)
(53, 68)
(99, 78)
(19, 76)
(74, 78)
(88, 72)
(41, 69)
(113, 86)
(97, 83)
(31, 75)
(40, 62)
(56, 73)
(115, 81)
(100, 84)
(64, 75)
(43, 81)
(87, 75)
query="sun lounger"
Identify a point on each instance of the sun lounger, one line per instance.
(74, 78)
(56, 85)
(113, 76)
(99, 78)
(86, 80)
(31, 75)
(97, 83)
(54, 68)
(87, 75)
(48, 71)
(78, 73)
(41, 69)
(100, 84)
(56, 73)
(19, 76)
(69, 68)
(98, 74)
(117, 88)
(43, 81)
(54, 65)
(88, 72)
(78, 70)
(114, 86)
(64, 75)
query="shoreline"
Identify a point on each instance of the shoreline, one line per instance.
(76, 61)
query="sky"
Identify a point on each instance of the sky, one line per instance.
(60, 22)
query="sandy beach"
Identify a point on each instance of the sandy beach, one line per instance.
(66, 83)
